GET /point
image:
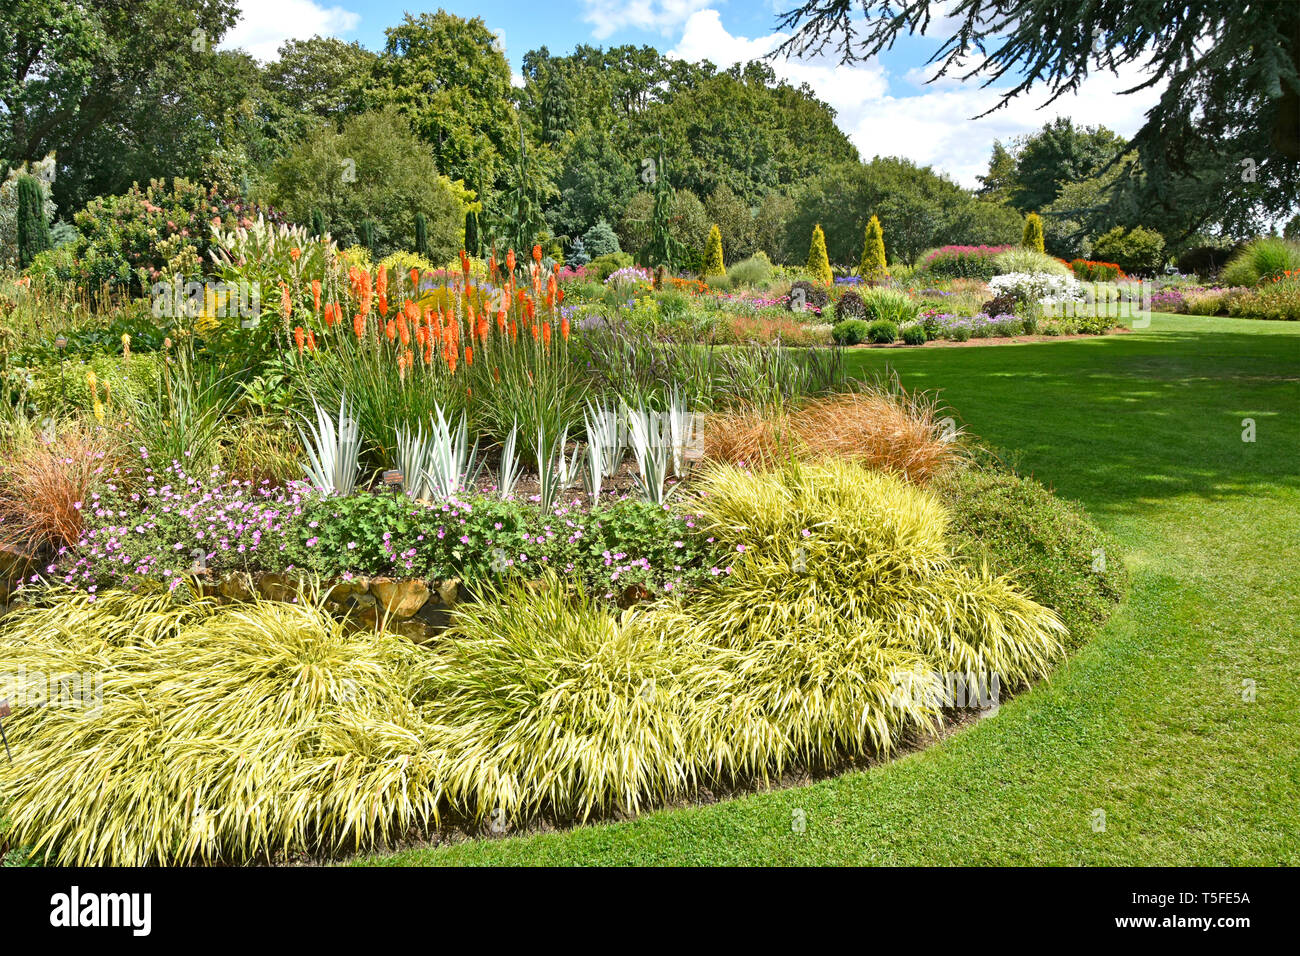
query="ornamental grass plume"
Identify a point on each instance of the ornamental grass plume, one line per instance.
(46, 482)
(880, 425)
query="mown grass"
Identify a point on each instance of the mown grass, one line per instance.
(1148, 722)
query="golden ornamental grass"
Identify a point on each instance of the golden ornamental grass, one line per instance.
(545, 699)
(843, 595)
(224, 734)
(248, 732)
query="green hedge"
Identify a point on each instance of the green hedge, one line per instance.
(1047, 544)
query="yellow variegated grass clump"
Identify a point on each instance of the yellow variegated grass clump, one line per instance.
(546, 699)
(843, 607)
(246, 732)
(222, 733)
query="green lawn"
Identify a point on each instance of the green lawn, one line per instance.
(1148, 722)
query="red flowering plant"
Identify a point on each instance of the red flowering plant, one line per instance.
(1089, 270)
(403, 345)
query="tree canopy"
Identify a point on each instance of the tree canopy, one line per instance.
(1231, 76)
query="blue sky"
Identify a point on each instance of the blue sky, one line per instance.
(884, 106)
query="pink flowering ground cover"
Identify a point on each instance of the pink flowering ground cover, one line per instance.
(165, 524)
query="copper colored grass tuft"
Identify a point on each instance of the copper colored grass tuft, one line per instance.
(888, 430)
(880, 426)
(44, 484)
(752, 435)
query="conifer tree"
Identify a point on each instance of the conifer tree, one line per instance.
(421, 234)
(1033, 234)
(818, 265)
(713, 264)
(33, 230)
(874, 267)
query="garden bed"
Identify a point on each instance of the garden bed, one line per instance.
(512, 569)
(993, 340)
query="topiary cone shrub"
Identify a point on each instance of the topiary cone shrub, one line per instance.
(713, 264)
(818, 264)
(873, 266)
(1032, 238)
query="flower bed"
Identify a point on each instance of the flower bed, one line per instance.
(168, 525)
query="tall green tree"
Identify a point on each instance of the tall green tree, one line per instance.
(317, 78)
(1231, 75)
(421, 234)
(1058, 154)
(596, 181)
(450, 77)
(521, 224)
(917, 207)
(375, 170)
(121, 91)
(663, 247)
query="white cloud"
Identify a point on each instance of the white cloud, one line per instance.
(656, 16)
(932, 126)
(843, 87)
(265, 24)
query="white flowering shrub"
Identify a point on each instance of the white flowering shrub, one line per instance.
(628, 275)
(1038, 287)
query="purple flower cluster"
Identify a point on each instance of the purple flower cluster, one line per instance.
(751, 302)
(163, 525)
(166, 523)
(944, 325)
(1167, 300)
